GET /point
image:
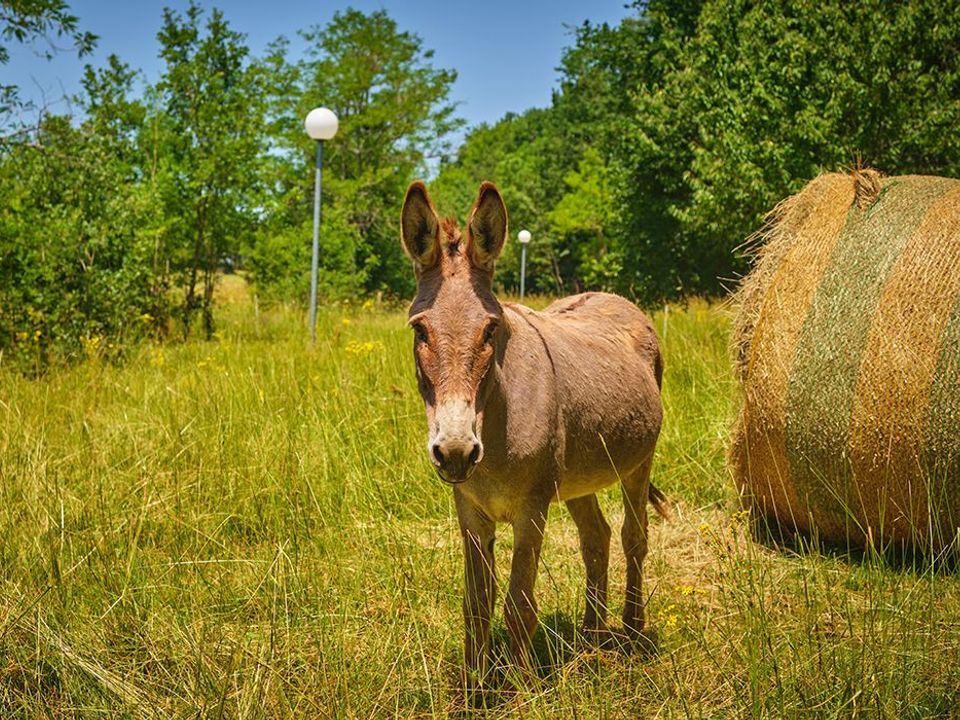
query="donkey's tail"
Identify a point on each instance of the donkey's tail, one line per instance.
(660, 502)
(658, 368)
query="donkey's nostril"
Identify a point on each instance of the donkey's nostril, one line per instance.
(438, 454)
(475, 454)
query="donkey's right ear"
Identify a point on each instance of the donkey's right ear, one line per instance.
(420, 227)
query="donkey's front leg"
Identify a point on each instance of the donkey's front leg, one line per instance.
(520, 611)
(480, 589)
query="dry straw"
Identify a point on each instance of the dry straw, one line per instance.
(847, 343)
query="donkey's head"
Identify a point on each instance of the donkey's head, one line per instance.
(455, 319)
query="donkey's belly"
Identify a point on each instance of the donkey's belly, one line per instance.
(502, 498)
(580, 484)
(594, 462)
(590, 459)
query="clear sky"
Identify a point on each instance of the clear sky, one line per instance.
(505, 52)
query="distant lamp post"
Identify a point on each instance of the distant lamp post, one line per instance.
(524, 237)
(321, 124)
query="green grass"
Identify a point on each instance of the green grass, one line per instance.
(249, 528)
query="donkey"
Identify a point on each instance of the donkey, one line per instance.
(526, 408)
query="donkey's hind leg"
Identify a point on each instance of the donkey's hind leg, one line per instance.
(594, 535)
(636, 488)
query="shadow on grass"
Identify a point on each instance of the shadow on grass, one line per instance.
(557, 644)
(896, 556)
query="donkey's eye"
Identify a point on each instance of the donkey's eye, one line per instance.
(420, 333)
(488, 333)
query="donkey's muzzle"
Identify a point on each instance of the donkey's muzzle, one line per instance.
(454, 446)
(455, 459)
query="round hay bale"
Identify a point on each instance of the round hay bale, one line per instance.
(847, 343)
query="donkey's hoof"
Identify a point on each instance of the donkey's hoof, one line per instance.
(644, 642)
(601, 638)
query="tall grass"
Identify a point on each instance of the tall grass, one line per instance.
(249, 528)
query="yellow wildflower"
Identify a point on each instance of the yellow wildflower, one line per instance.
(91, 346)
(362, 349)
(670, 617)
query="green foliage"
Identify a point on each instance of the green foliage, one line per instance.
(77, 250)
(211, 100)
(394, 113)
(675, 131)
(582, 220)
(279, 261)
(764, 97)
(22, 21)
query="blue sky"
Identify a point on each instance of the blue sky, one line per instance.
(506, 53)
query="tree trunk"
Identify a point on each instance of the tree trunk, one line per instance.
(190, 301)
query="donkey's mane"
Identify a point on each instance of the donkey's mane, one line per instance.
(450, 235)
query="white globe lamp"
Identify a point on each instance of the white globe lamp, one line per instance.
(321, 124)
(523, 237)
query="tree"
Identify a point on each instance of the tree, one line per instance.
(23, 21)
(557, 166)
(758, 100)
(606, 74)
(394, 113)
(582, 223)
(77, 249)
(212, 116)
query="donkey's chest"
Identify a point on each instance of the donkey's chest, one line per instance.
(494, 499)
(498, 491)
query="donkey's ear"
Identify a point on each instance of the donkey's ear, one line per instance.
(487, 225)
(420, 226)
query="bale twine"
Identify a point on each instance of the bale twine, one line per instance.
(847, 343)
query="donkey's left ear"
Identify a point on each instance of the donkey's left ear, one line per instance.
(487, 226)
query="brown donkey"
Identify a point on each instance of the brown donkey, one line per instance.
(525, 408)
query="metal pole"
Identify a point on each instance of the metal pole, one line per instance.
(315, 261)
(523, 267)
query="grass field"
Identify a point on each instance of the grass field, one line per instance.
(249, 528)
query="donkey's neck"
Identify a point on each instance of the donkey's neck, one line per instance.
(521, 409)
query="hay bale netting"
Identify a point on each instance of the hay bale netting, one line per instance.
(848, 346)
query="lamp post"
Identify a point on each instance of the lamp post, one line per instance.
(524, 237)
(321, 124)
